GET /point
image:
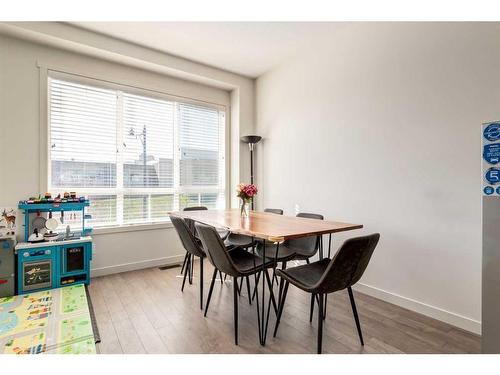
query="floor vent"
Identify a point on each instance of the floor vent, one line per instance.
(163, 268)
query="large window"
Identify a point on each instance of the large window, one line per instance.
(137, 155)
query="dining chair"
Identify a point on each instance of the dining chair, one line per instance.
(190, 223)
(300, 248)
(193, 249)
(237, 263)
(277, 211)
(331, 275)
(246, 241)
(294, 249)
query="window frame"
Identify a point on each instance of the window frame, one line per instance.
(46, 74)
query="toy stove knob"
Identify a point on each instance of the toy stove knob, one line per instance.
(26, 254)
(47, 252)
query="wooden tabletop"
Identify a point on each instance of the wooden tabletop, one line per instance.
(272, 227)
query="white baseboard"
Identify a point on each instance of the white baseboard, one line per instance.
(95, 272)
(456, 320)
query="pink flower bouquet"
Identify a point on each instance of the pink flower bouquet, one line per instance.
(246, 192)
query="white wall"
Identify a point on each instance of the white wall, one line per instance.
(20, 119)
(379, 124)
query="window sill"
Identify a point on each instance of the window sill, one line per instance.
(132, 228)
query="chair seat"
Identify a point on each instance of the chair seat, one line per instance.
(305, 277)
(239, 240)
(246, 262)
(284, 253)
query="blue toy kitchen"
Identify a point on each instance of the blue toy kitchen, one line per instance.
(51, 257)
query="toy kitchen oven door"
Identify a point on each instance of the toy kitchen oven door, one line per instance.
(37, 269)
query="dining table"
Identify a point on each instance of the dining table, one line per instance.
(271, 230)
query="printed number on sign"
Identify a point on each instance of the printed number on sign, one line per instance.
(493, 176)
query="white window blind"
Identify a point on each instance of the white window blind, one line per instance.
(136, 156)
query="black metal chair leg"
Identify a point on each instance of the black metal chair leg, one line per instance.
(320, 247)
(201, 283)
(320, 324)
(248, 290)
(329, 245)
(221, 281)
(283, 267)
(355, 313)
(312, 308)
(235, 297)
(240, 286)
(186, 271)
(210, 291)
(307, 261)
(191, 269)
(280, 310)
(184, 263)
(325, 303)
(257, 303)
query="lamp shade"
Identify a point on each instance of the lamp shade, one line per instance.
(251, 139)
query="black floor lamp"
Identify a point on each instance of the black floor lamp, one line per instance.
(251, 140)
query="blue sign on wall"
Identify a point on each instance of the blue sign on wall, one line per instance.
(491, 153)
(493, 176)
(488, 190)
(492, 132)
(498, 190)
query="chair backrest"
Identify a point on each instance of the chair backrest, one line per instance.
(215, 249)
(195, 208)
(277, 211)
(186, 236)
(349, 264)
(190, 222)
(306, 246)
(310, 216)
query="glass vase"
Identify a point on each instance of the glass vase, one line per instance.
(244, 207)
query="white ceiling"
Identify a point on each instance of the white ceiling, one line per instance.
(247, 48)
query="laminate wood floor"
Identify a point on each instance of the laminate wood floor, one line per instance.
(145, 311)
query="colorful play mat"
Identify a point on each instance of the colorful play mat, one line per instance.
(53, 321)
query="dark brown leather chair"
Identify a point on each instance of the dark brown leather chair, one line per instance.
(327, 276)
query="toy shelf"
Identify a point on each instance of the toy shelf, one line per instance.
(30, 208)
(47, 207)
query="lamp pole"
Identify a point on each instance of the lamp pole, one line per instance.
(251, 140)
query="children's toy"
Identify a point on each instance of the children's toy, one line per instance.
(57, 259)
(47, 198)
(53, 321)
(8, 222)
(35, 237)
